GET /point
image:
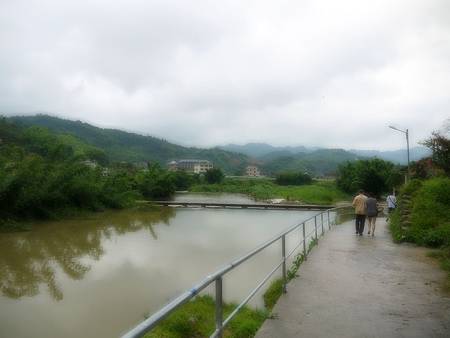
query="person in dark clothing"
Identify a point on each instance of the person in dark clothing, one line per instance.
(372, 212)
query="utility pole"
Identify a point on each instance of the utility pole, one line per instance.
(406, 132)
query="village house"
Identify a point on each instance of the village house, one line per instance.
(192, 166)
(253, 171)
(90, 163)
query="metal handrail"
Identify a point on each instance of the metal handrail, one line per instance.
(216, 277)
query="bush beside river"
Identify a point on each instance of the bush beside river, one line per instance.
(45, 175)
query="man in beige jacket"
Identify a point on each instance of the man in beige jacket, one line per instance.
(359, 203)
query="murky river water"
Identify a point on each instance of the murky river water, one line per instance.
(97, 277)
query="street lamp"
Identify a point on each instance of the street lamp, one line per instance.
(407, 145)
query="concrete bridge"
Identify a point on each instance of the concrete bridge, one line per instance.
(353, 286)
(268, 206)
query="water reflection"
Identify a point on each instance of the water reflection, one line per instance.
(98, 277)
(30, 260)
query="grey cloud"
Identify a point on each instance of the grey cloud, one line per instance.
(318, 72)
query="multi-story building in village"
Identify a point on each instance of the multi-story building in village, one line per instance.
(252, 170)
(193, 166)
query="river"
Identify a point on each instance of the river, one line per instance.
(100, 275)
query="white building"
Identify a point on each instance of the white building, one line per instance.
(252, 170)
(193, 166)
(90, 163)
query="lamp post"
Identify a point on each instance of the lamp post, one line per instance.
(407, 146)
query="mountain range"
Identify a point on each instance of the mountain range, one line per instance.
(123, 146)
(120, 146)
(264, 152)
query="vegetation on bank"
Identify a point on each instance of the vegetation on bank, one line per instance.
(319, 192)
(196, 319)
(293, 178)
(422, 215)
(44, 175)
(275, 289)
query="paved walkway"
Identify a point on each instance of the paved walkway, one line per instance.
(363, 287)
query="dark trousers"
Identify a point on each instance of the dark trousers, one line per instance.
(360, 220)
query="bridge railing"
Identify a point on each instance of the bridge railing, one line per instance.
(322, 220)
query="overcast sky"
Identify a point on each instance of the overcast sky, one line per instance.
(305, 72)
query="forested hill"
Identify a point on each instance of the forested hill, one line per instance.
(117, 146)
(319, 162)
(124, 146)
(265, 152)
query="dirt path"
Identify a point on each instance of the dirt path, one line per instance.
(355, 286)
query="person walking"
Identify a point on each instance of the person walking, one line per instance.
(391, 201)
(359, 203)
(372, 212)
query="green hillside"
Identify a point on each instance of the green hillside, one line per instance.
(116, 146)
(129, 147)
(319, 162)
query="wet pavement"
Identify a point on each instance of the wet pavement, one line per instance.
(355, 286)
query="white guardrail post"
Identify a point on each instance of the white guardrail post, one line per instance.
(219, 307)
(315, 228)
(283, 255)
(305, 252)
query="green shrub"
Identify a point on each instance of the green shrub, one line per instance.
(431, 204)
(395, 227)
(293, 178)
(214, 175)
(375, 175)
(273, 293)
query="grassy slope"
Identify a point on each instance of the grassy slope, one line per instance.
(422, 217)
(320, 192)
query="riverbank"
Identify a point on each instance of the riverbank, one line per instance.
(422, 218)
(318, 192)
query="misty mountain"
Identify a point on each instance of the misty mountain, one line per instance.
(119, 146)
(261, 149)
(129, 147)
(266, 152)
(396, 156)
(319, 162)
